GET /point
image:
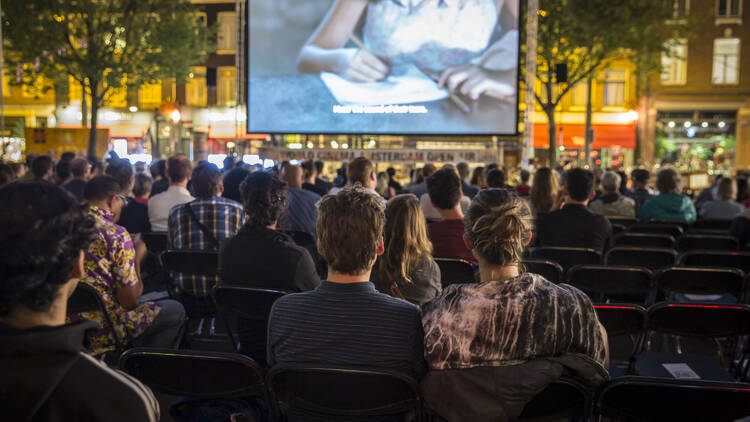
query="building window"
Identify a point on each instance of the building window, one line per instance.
(226, 92)
(726, 69)
(728, 8)
(614, 87)
(150, 93)
(681, 8)
(674, 63)
(227, 42)
(195, 89)
(579, 94)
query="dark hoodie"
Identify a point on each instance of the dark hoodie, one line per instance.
(44, 376)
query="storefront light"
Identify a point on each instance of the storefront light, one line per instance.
(309, 144)
(688, 124)
(133, 109)
(295, 145)
(671, 124)
(722, 124)
(704, 124)
(334, 144)
(230, 144)
(345, 146)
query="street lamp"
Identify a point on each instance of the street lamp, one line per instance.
(175, 116)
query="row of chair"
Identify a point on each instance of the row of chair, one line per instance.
(307, 392)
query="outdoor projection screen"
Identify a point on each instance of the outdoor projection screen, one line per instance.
(359, 66)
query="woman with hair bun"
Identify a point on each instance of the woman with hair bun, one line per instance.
(503, 339)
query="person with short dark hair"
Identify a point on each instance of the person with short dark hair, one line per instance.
(308, 178)
(392, 182)
(639, 191)
(179, 170)
(725, 207)
(301, 211)
(574, 225)
(45, 375)
(67, 156)
(523, 189)
(421, 188)
(232, 181)
(669, 204)
(202, 224)
(345, 320)
(465, 174)
(496, 179)
(81, 170)
(62, 172)
(277, 262)
(135, 214)
(6, 174)
(322, 184)
(361, 170)
(112, 264)
(159, 174)
(43, 168)
(122, 171)
(444, 190)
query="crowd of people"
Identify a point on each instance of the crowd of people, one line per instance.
(376, 300)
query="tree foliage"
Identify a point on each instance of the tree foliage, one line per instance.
(99, 43)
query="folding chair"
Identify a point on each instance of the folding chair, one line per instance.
(195, 374)
(156, 242)
(694, 322)
(715, 225)
(627, 222)
(325, 392)
(618, 228)
(305, 240)
(455, 271)
(645, 240)
(691, 242)
(196, 263)
(613, 283)
(658, 399)
(682, 223)
(674, 230)
(552, 271)
(721, 259)
(651, 258)
(86, 298)
(624, 324)
(564, 399)
(567, 257)
(245, 312)
(701, 281)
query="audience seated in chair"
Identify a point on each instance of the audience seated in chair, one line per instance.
(135, 214)
(639, 191)
(112, 266)
(724, 207)
(45, 374)
(406, 269)
(669, 204)
(421, 188)
(159, 174)
(574, 225)
(259, 256)
(81, 171)
(612, 203)
(544, 191)
(346, 321)
(308, 176)
(491, 346)
(203, 224)
(444, 190)
(464, 172)
(159, 206)
(362, 171)
(301, 212)
(324, 185)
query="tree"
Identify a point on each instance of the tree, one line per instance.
(101, 43)
(586, 35)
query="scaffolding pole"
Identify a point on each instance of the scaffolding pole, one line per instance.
(528, 115)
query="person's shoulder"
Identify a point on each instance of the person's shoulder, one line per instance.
(396, 305)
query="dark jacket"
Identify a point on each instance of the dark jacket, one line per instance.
(134, 218)
(574, 226)
(45, 376)
(75, 187)
(469, 190)
(265, 258)
(499, 393)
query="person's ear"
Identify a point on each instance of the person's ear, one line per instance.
(221, 189)
(467, 242)
(111, 202)
(76, 275)
(381, 247)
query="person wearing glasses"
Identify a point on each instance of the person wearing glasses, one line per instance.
(112, 266)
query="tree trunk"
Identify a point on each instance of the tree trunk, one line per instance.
(84, 107)
(94, 112)
(589, 128)
(552, 131)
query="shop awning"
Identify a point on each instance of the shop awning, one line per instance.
(227, 132)
(574, 135)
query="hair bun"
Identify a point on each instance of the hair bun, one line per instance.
(500, 234)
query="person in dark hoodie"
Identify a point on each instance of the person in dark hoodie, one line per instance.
(45, 375)
(669, 204)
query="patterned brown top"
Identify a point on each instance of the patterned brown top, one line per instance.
(507, 323)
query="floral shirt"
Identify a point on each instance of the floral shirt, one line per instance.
(109, 265)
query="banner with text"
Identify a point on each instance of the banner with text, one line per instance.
(383, 155)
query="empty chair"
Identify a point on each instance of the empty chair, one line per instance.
(618, 228)
(245, 313)
(724, 259)
(682, 223)
(565, 398)
(199, 263)
(716, 225)
(195, 374)
(624, 324)
(617, 283)
(655, 399)
(673, 230)
(691, 242)
(645, 240)
(455, 271)
(567, 257)
(651, 258)
(552, 271)
(627, 222)
(86, 298)
(701, 281)
(320, 392)
(698, 322)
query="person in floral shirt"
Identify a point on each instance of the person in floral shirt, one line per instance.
(111, 265)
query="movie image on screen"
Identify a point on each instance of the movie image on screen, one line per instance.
(383, 66)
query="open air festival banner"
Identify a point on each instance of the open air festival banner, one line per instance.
(489, 155)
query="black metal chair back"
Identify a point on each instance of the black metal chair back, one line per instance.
(662, 399)
(564, 399)
(618, 228)
(717, 225)
(701, 281)
(245, 311)
(651, 258)
(567, 257)
(86, 298)
(682, 223)
(617, 283)
(625, 325)
(645, 240)
(720, 259)
(552, 271)
(192, 373)
(322, 392)
(456, 271)
(699, 320)
(197, 263)
(627, 222)
(674, 230)
(156, 242)
(691, 242)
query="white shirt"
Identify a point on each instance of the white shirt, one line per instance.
(432, 213)
(334, 191)
(160, 205)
